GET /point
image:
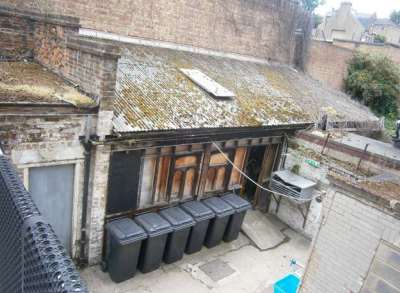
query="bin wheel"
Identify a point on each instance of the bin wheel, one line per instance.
(103, 266)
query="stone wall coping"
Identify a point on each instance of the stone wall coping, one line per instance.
(67, 21)
(390, 207)
(93, 46)
(360, 153)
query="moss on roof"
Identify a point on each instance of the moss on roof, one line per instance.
(24, 82)
(153, 94)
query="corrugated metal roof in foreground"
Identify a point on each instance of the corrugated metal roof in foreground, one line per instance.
(153, 94)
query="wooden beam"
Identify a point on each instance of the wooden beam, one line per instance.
(204, 171)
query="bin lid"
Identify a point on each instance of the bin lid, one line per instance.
(154, 224)
(238, 203)
(219, 207)
(177, 218)
(198, 210)
(126, 231)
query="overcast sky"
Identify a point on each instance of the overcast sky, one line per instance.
(382, 7)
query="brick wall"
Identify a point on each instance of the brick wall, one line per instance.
(327, 61)
(370, 161)
(15, 40)
(260, 28)
(350, 234)
(34, 141)
(52, 41)
(51, 137)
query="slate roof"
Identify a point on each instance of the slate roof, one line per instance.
(153, 94)
(366, 20)
(24, 83)
(384, 22)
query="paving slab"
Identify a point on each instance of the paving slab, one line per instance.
(265, 232)
(217, 270)
(238, 267)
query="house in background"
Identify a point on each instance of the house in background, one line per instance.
(343, 24)
(386, 28)
(348, 25)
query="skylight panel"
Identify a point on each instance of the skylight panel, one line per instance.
(207, 83)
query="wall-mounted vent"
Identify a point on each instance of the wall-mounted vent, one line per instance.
(292, 185)
(207, 83)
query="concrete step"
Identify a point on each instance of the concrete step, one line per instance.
(264, 231)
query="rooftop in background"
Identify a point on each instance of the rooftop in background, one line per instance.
(153, 94)
(366, 19)
(24, 83)
(385, 22)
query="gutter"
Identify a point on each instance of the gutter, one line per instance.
(202, 134)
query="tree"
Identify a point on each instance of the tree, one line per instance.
(374, 80)
(395, 16)
(317, 20)
(311, 5)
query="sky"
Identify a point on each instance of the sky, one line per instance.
(382, 7)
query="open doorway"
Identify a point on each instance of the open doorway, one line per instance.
(253, 169)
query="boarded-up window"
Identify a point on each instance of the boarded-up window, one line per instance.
(162, 179)
(123, 182)
(186, 170)
(217, 173)
(240, 156)
(168, 177)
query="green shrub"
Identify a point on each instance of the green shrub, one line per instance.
(374, 80)
(296, 169)
(379, 39)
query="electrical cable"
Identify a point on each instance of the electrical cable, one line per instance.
(256, 183)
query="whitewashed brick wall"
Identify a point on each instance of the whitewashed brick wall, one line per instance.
(350, 234)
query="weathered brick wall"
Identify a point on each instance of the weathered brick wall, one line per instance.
(371, 162)
(261, 28)
(15, 40)
(33, 141)
(327, 61)
(52, 41)
(349, 236)
(18, 132)
(45, 138)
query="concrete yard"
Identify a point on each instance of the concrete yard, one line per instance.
(230, 267)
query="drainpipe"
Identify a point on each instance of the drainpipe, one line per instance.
(83, 260)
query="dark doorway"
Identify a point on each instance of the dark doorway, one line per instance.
(253, 168)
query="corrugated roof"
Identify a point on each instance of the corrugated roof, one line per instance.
(30, 83)
(153, 94)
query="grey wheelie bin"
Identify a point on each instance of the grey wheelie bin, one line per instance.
(152, 252)
(124, 240)
(240, 206)
(217, 227)
(181, 224)
(202, 216)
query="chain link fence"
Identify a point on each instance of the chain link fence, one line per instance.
(32, 259)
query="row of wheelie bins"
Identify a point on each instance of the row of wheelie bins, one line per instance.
(152, 238)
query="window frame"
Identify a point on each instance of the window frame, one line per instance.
(230, 152)
(173, 155)
(185, 170)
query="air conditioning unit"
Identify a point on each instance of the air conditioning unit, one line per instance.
(290, 184)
